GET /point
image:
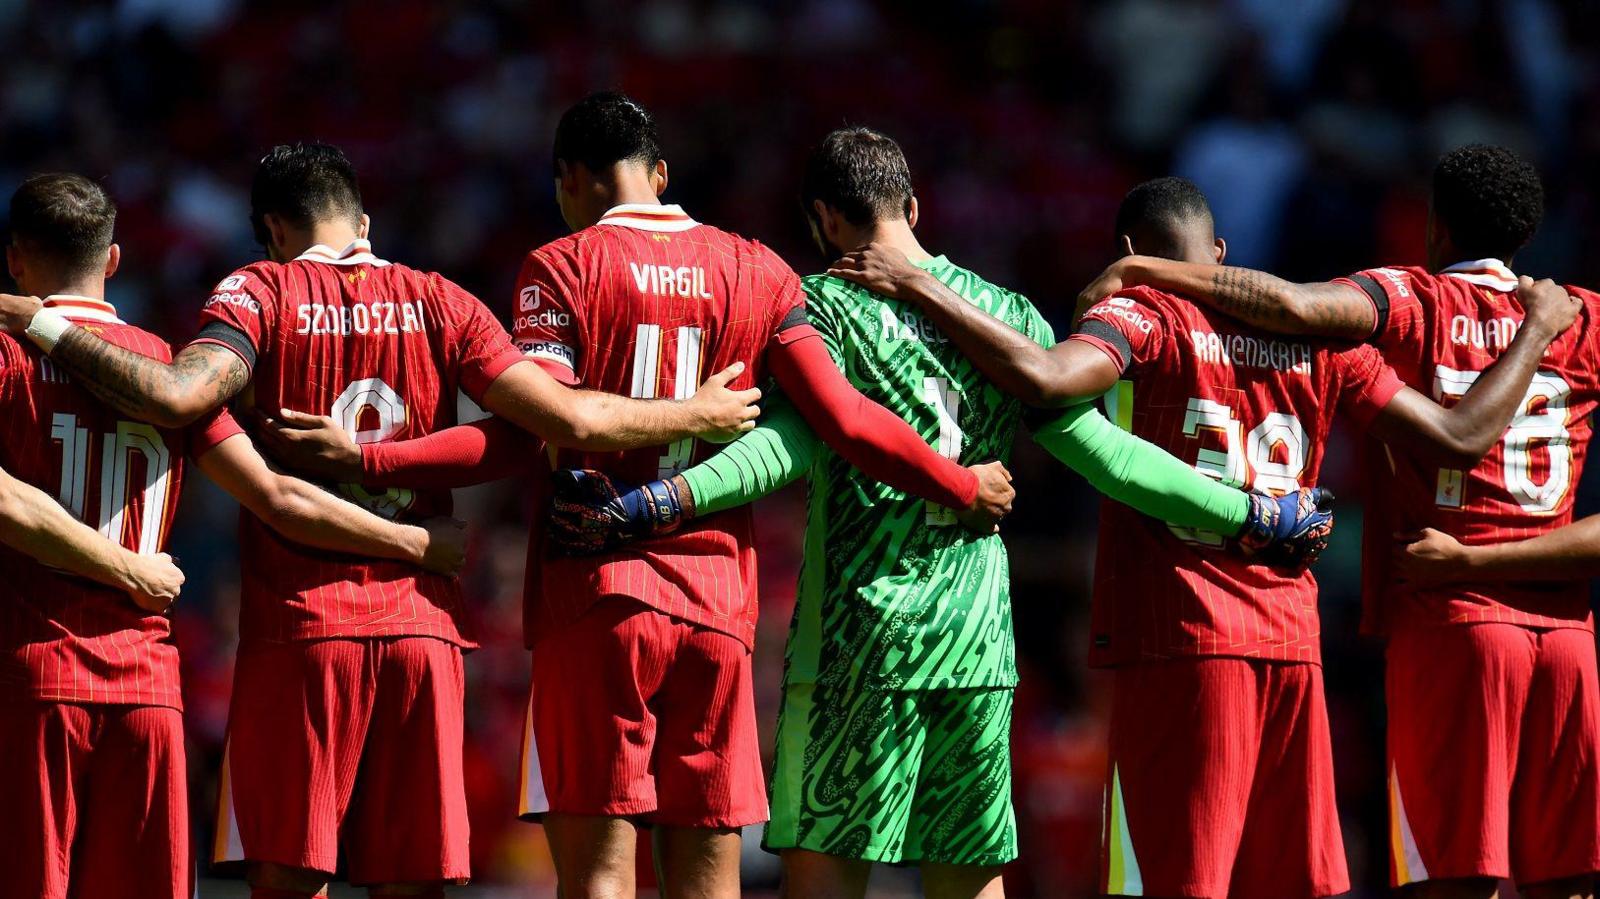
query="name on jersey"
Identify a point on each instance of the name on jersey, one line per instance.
(1493, 334)
(908, 326)
(1247, 351)
(365, 318)
(685, 281)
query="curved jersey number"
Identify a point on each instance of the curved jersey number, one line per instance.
(372, 402)
(1540, 423)
(685, 378)
(117, 489)
(1269, 458)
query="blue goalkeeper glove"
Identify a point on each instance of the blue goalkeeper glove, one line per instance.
(588, 514)
(1290, 530)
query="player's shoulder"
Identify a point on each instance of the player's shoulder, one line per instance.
(133, 338)
(827, 292)
(1160, 302)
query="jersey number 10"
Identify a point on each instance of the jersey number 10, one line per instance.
(116, 472)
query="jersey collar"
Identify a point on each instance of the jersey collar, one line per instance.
(646, 217)
(1491, 273)
(86, 309)
(358, 253)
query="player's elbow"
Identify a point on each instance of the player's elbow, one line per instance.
(284, 503)
(1463, 449)
(175, 409)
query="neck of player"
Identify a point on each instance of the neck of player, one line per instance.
(894, 233)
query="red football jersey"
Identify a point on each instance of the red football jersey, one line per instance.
(62, 637)
(648, 303)
(381, 348)
(1251, 409)
(1440, 332)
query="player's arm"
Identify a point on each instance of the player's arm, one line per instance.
(589, 513)
(1322, 309)
(1564, 554)
(311, 516)
(528, 397)
(33, 523)
(1462, 434)
(201, 378)
(1063, 375)
(460, 456)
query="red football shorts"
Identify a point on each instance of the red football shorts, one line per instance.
(1493, 735)
(95, 802)
(1221, 782)
(638, 714)
(352, 739)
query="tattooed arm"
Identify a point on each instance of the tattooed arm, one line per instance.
(1324, 309)
(201, 378)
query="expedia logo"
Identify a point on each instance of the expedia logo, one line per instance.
(236, 300)
(232, 282)
(528, 300)
(549, 318)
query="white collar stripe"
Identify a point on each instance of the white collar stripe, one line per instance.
(644, 217)
(1491, 273)
(358, 253)
(86, 309)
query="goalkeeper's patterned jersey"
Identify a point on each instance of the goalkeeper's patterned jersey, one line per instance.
(894, 593)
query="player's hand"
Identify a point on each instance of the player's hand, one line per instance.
(721, 414)
(1547, 306)
(1290, 530)
(1105, 284)
(154, 582)
(314, 445)
(446, 552)
(881, 269)
(993, 502)
(1431, 555)
(16, 312)
(589, 514)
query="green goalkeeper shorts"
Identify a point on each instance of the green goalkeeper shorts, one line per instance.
(895, 776)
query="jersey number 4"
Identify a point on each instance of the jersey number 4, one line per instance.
(117, 489)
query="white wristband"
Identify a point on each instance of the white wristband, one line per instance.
(46, 328)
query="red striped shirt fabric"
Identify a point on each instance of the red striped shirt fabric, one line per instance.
(648, 303)
(383, 349)
(64, 638)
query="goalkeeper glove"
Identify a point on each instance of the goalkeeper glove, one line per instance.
(1292, 529)
(588, 514)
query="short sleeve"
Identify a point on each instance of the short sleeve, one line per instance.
(238, 313)
(545, 327)
(1125, 326)
(483, 348)
(209, 432)
(821, 298)
(1367, 384)
(1397, 311)
(791, 317)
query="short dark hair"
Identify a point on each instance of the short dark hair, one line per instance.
(1160, 205)
(67, 218)
(860, 172)
(604, 129)
(1490, 199)
(304, 183)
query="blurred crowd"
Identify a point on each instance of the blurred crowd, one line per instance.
(1310, 123)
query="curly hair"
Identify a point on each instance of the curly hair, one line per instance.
(1489, 199)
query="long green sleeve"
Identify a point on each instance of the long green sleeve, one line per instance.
(779, 449)
(1140, 474)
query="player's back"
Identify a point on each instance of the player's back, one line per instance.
(1440, 332)
(895, 590)
(648, 303)
(1249, 408)
(381, 348)
(63, 637)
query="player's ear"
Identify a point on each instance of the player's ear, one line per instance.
(14, 263)
(658, 177)
(277, 232)
(364, 227)
(1221, 250)
(113, 259)
(913, 211)
(1125, 244)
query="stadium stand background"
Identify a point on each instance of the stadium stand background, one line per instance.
(1311, 124)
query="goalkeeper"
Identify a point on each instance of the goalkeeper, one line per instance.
(893, 736)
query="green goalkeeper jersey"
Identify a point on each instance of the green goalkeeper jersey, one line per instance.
(894, 593)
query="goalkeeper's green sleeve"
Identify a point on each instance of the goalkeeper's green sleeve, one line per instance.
(1140, 474)
(779, 449)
